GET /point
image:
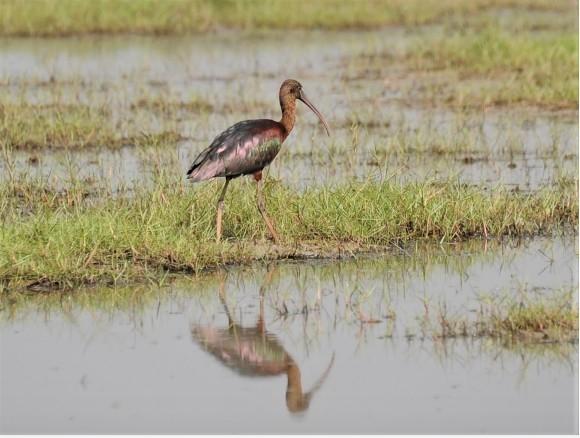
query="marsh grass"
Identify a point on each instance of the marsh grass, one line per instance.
(65, 126)
(523, 316)
(69, 239)
(74, 17)
(111, 120)
(552, 317)
(417, 257)
(62, 125)
(33, 126)
(483, 66)
(535, 69)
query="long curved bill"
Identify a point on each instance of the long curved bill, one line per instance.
(310, 105)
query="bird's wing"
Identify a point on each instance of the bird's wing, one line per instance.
(209, 163)
(244, 148)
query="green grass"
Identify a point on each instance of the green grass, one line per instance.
(67, 239)
(418, 258)
(33, 126)
(57, 125)
(534, 69)
(552, 317)
(525, 316)
(475, 66)
(67, 126)
(74, 17)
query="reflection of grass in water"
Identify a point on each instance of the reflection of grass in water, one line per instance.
(71, 17)
(514, 346)
(298, 285)
(506, 352)
(515, 317)
(70, 239)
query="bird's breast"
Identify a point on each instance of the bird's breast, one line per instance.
(265, 151)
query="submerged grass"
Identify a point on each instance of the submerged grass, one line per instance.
(74, 17)
(68, 240)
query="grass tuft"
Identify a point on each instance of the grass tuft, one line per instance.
(527, 317)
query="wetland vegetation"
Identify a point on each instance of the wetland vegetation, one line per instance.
(429, 246)
(71, 17)
(101, 232)
(534, 70)
(518, 314)
(67, 238)
(95, 232)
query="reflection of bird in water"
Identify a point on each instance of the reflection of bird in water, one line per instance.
(252, 351)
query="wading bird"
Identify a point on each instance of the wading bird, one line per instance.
(247, 147)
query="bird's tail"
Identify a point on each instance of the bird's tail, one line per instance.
(205, 170)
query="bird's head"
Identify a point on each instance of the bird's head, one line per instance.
(291, 90)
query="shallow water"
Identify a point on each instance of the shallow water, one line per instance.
(150, 360)
(240, 76)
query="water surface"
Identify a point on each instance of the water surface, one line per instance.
(294, 347)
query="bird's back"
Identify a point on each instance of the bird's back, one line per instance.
(242, 149)
(247, 351)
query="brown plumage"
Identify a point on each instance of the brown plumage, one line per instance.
(247, 147)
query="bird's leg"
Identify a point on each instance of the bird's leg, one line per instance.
(260, 325)
(222, 296)
(220, 210)
(262, 207)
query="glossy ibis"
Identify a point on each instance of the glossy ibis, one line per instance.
(247, 147)
(254, 352)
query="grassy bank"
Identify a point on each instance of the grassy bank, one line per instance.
(76, 17)
(65, 239)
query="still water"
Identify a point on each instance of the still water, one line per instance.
(293, 347)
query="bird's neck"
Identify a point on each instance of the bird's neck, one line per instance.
(294, 378)
(294, 387)
(288, 106)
